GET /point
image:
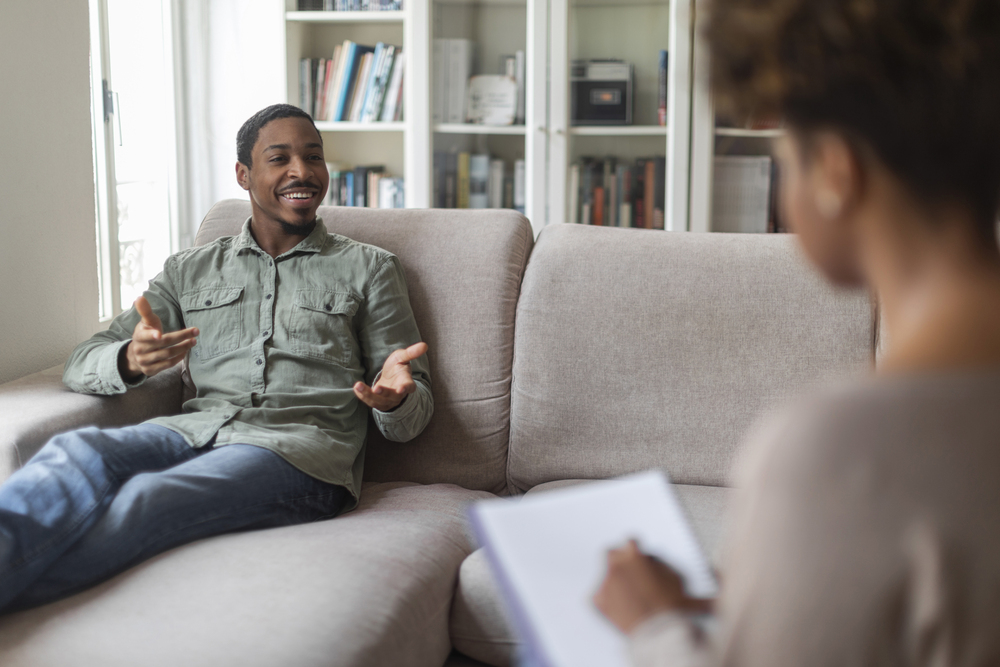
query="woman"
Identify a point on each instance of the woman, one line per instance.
(868, 531)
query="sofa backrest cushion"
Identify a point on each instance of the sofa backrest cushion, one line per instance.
(637, 349)
(463, 270)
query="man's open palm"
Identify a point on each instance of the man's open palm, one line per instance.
(150, 350)
(395, 383)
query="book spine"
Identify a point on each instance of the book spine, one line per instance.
(598, 210)
(451, 181)
(519, 202)
(648, 195)
(439, 80)
(395, 88)
(440, 159)
(659, 191)
(496, 184)
(463, 180)
(519, 65)
(661, 106)
(573, 209)
(371, 85)
(479, 181)
(460, 67)
(344, 80)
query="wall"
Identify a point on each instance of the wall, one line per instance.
(48, 262)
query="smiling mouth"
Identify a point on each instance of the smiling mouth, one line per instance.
(298, 197)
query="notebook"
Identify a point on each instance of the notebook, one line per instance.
(549, 555)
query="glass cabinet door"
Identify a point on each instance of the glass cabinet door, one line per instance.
(487, 141)
(734, 176)
(619, 112)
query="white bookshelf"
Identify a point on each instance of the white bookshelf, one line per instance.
(709, 140)
(552, 33)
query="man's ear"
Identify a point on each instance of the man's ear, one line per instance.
(243, 175)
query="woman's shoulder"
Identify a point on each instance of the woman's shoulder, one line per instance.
(875, 419)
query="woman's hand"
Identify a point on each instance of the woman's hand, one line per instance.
(637, 587)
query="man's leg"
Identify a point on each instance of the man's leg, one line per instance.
(231, 488)
(64, 489)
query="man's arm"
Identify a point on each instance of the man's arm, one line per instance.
(400, 393)
(134, 346)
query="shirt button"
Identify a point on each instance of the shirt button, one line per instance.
(268, 296)
(208, 303)
(266, 334)
(328, 307)
(259, 362)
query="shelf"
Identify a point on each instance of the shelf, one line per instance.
(469, 128)
(346, 17)
(752, 134)
(345, 126)
(619, 130)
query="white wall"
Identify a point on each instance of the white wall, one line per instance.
(48, 261)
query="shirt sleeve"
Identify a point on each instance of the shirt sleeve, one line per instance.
(386, 325)
(669, 640)
(92, 367)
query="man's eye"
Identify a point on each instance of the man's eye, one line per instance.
(277, 158)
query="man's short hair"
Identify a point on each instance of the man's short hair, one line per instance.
(246, 138)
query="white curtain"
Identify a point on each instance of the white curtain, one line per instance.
(230, 64)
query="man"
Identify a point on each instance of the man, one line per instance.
(285, 328)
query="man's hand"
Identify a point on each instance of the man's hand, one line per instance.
(637, 587)
(395, 383)
(150, 350)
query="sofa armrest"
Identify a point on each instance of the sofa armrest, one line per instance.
(38, 406)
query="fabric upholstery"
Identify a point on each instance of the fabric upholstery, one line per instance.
(38, 406)
(479, 625)
(370, 588)
(463, 269)
(637, 349)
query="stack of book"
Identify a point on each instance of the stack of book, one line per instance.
(359, 83)
(452, 67)
(613, 194)
(466, 180)
(364, 186)
(743, 195)
(350, 5)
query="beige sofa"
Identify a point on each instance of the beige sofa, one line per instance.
(588, 354)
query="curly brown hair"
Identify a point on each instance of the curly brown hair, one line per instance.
(916, 81)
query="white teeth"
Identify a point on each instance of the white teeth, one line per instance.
(297, 195)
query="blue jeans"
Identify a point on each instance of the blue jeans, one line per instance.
(92, 503)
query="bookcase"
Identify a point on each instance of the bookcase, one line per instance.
(550, 34)
(732, 160)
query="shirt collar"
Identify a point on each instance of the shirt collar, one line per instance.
(315, 242)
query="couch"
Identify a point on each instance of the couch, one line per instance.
(586, 354)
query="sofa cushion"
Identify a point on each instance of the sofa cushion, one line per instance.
(479, 625)
(638, 349)
(463, 269)
(37, 407)
(372, 587)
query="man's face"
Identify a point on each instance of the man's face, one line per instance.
(289, 178)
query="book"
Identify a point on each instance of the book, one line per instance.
(659, 191)
(573, 207)
(519, 193)
(495, 190)
(741, 194)
(479, 181)
(519, 78)
(451, 180)
(597, 210)
(462, 187)
(439, 80)
(549, 555)
(649, 195)
(360, 86)
(457, 81)
(661, 97)
(395, 88)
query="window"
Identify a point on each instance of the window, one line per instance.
(132, 83)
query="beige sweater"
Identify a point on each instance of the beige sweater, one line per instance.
(867, 532)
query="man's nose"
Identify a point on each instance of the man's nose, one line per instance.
(297, 166)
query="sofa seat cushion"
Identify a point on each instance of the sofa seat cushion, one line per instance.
(479, 625)
(372, 587)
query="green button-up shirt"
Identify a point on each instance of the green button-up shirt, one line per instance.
(282, 343)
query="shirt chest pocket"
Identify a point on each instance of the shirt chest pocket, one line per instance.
(217, 312)
(321, 325)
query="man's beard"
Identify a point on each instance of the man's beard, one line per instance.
(295, 229)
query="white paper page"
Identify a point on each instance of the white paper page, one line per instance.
(552, 552)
